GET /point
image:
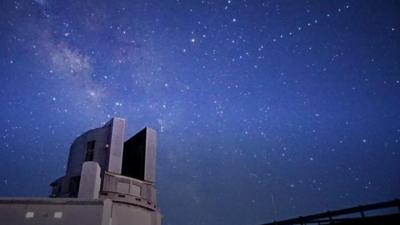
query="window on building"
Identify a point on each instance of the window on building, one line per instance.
(90, 150)
(58, 215)
(29, 215)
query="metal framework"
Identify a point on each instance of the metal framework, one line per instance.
(349, 216)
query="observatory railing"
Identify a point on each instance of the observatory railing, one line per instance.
(338, 216)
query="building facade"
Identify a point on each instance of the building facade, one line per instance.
(108, 181)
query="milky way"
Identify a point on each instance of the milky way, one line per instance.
(264, 109)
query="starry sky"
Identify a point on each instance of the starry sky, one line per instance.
(264, 109)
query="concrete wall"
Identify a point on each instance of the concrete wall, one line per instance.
(129, 190)
(123, 214)
(130, 186)
(50, 212)
(89, 187)
(71, 211)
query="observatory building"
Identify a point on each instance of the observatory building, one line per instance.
(108, 181)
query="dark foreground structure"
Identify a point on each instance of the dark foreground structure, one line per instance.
(108, 181)
(384, 213)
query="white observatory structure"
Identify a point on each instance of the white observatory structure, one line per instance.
(108, 181)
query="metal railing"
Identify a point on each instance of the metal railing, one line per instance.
(329, 216)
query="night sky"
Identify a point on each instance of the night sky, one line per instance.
(264, 109)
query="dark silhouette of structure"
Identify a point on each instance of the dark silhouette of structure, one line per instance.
(373, 214)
